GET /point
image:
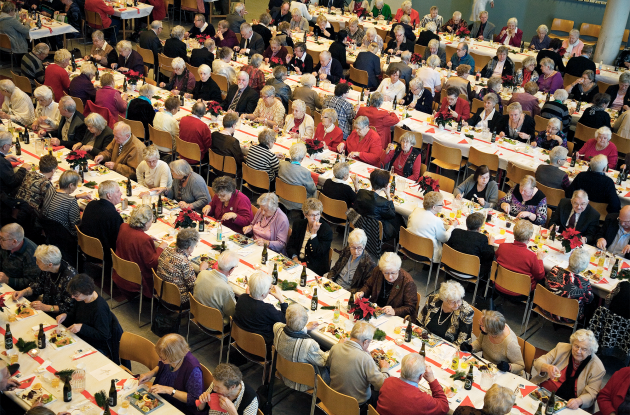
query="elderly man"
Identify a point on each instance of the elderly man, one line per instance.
(71, 125)
(193, 130)
(212, 288)
(328, 68)
(403, 67)
(433, 16)
(128, 59)
(33, 63)
(124, 153)
(599, 187)
(200, 27)
(251, 42)
(102, 52)
(344, 109)
(576, 213)
(352, 369)
(261, 27)
(283, 91)
(550, 174)
(204, 55)
(9, 179)
(241, 98)
(402, 395)
(462, 57)
(281, 14)
(237, 17)
(482, 29)
(17, 106)
(614, 235)
(224, 143)
(17, 31)
(18, 267)
(150, 39)
(580, 63)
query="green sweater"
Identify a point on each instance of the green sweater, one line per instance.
(385, 11)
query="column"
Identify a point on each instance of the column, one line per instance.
(613, 25)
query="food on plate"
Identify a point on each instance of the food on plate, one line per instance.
(399, 199)
(100, 169)
(241, 240)
(145, 402)
(169, 204)
(459, 375)
(24, 311)
(450, 391)
(331, 286)
(285, 262)
(338, 332)
(379, 354)
(318, 169)
(35, 396)
(363, 184)
(60, 339)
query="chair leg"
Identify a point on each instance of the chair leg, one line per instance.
(140, 306)
(426, 291)
(188, 332)
(314, 400)
(102, 278)
(111, 290)
(437, 276)
(152, 298)
(220, 351)
(345, 234)
(475, 293)
(524, 315)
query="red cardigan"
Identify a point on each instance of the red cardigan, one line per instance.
(614, 393)
(527, 263)
(136, 246)
(382, 120)
(414, 15)
(398, 397)
(332, 139)
(369, 147)
(57, 79)
(239, 204)
(193, 130)
(462, 108)
(515, 41)
(103, 10)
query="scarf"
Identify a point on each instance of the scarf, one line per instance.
(295, 334)
(567, 390)
(527, 75)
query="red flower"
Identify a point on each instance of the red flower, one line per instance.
(214, 108)
(362, 309)
(416, 58)
(76, 155)
(571, 239)
(343, 81)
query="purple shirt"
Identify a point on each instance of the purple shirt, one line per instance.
(550, 84)
(275, 230)
(239, 204)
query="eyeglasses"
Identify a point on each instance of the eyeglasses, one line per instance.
(438, 205)
(580, 349)
(314, 215)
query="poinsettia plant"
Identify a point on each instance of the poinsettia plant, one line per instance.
(77, 158)
(132, 77)
(428, 184)
(343, 81)
(362, 309)
(214, 108)
(416, 58)
(508, 81)
(462, 31)
(443, 119)
(571, 239)
(275, 61)
(187, 218)
(202, 38)
(313, 146)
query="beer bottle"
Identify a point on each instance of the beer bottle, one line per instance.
(98, 76)
(389, 58)
(395, 102)
(8, 338)
(155, 215)
(223, 247)
(41, 337)
(18, 147)
(522, 46)
(74, 64)
(478, 76)
(27, 138)
(305, 33)
(67, 391)
(129, 188)
(113, 395)
(494, 137)
(274, 275)
(408, 330)
(552, 233)
(459, 126)
(469, 379)
(202, 226)
(539, 411)
(551, 403)
(392, 188)
(106, 410)
(303, 277)
(314, 300)
(579, 105)
(548, 96)
(423, 352)
(619, 177)
(263, 260)
(181, 98)
(615, 269)
(574, 160)
(159, 205)
(125, 85)
(361, 98)
(351, 301)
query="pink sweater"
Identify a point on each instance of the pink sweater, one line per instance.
(111, 99)
(589, 151)
(239, 204)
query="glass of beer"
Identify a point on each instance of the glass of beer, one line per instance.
(54, 382)
(125, 404)
(14, 358)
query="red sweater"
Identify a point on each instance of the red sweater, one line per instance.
(614, 393)
(462, 108)
(398, 397)
(369, 148)
(414, 15)
(332, 139)
(382, 120)
(103, 10)
(57, 79)
(193, 130)
(514, 41)
(589, 151)
(527, 263)
(239, 204)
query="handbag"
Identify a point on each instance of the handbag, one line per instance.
(165, 321)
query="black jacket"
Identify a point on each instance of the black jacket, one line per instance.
(74, 16)
(367, 61)
(339, 191)
(508, 68)
(258, 317)
(150, 40)
(613, 90)
(599, 188)
(368, 203)
(276, 15)
(274, 3)
(316, 250)
(246, 104)
(554, 56)
(101, 141)
(609, 230)
(10, 180)
(264, 32)
(256, 45)
(473, 243)
(101, 221)
(305, 67)
(336, 71)
(578, 64)
(361, 274)
(409, 45)
(338, 52)
(175, 48)
(331, 32)
(596, 120)
(200, 57)
(411, 37)
(587, 223)
(425, 37)
(492, 123)
(141, 110)
(528, 127)
(423, 104)
(195, 31)
(208, 91)
(77, 120)
(226, 145)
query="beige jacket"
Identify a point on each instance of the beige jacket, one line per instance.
(129, 158)
(588, 383)
(307, 128)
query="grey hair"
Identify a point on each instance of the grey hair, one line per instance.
(178, 63)
(362, 331)
(224, 185)
(373, 47)
(268, 91)
(48, 254)
(433, 61)
(457, 15)
(354, 21)
(558, 153)
(257, 60)
(296, 317)
(230, 120)
(106, 188)
(515, 106)
(140, 216)
(43, 92)
(399, 30)
(259, 285)
(555, 122)
(267, 137)
(187, 238)
(624, 78)
(5, 137)
(580, 194)
(371, 32)
(434, 44)
(312, 205)
(523, 230)
(362, 121)
(585, 335)
(561, 94)
(209, 44)
(62, 55)
(357, 236)
(494, 82)
(67, 178)
(123, 128)
(279, 72)
(376, 98)
(88, 69)
(542, 28)
(147, 90)
(238, 7)
(246, 27)
(431, 199)
(431, 26)
(513, 20)
(268, 200)
(389, 261)
(416, 83)
(151, 152)
(325, 54)
(180, 167)
(265, 18)
(341, 170)
(227, 260)
(199, 109)
(413, 367)
(67, 103)
(96, 120)
(491, 97)
(578, 261)
(530, 60)
(549, 63)
(408, 138)
(574, 32)
(493, 321)
(156, 24)
(406, 5)
(14, 230)
(528, 180)
(42, 48)
(599, 163)
(98, 35)
(299, 105)
(330, 113)
(7, 85)
(297, 151)
(178, 32)
(308, 80)
(498, 400)
(124, 45)
(451, 291)
(604, 131)
(204, 68)
(406, 56)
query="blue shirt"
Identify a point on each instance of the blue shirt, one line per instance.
(621, 240)
(466, 60)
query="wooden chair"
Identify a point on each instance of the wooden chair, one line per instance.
(448, 158)
(24, 84)
(454, 263)
(207, 376)
(371, 410)
(476, 105)
(238, 37)
(516, 173)
(450, 51)
(601, 208)
(91, 247)
(290, 192)
(333, 402)
(255, 179)
(480, 60)
(302, 373)
(554, 196)
(512, 281)
(622, 143)
(591, 30)
(314, 54)
(5, 46)
(209, 320)
(569, 79)
(561, 25)
(399, 132)
(603, 86)
(476, 320)
(137, 128)
(570, 146)
(546, 301)
(168, 296)
(416, 248)
(138, 349)
(251, 346)
(188, 6)
(128, 271)
(502, 194)
(446, 184)
(147, 55)
(419, 49)
(194, 70)
(290, 108)
(190, 151)
(221, 81)
(93, 19)
(78, 103)
(541, 123)
(529, 353)
(334, 212)
(162, 139)
(221, 164)
(478, 158)
(165, 68)
(359, 76)
(584, 133)
(382, 33)
(317, 118)
(289, 50)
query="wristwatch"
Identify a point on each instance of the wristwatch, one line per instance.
(52, 308)
(173, 393)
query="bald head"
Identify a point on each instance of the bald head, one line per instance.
(624, 218)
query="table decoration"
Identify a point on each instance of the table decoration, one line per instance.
(362, 310)
(571, 239)
(187, 218)
(77, 158)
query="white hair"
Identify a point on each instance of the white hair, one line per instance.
(48, 254)
(603, 131)
(542, 28)
(389, 262)
(357, 236)
(555, 122)
(587, 336)
(579, 259)
(451, 291)
(204, 68)
(412, 367)
(561, 94)
(513, 20)
(575, 32)
(178, 63)
(362, 331)
(308, 80)
(228, 260)
(259, 285)
(431, 26)
(299, 105)
(433, 61)
(43, 92)
(297, 151)
(457, 15)
(599, 163)
(580, 194)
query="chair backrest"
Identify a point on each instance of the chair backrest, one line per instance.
(147, 55)
(221, 81)
(166, 64)
(480, 60)
(541, 123)
(584, 133)
(207, 377)
(446, 154)
(450, 51)
(446, 184)
(193, 70)
(208, 317)
(303, 373)
(359, 76)
(127, 270)
(510, 280)
(188, 150)
(464, 263)
(317, 118)
(93, 19)
(137, 128)
(601, 208)
(415, 244)
(476, 320)
(554, 304)
(160, 138)
(333, 207)
(333, 402)
(257, 178)
(419, 49)
(290, 192)
(476, 104)
(562, 25)
(478, 158)
(78, 103)
(289, 50)
(590, 29)
(530, 353)
(603, 86)
(516, 173)
(622, 143)
(569, 79)
(252, 343)
(314, 54)
(371, 410)
(89, 245)
(225, 164)
(399, 132)
(24, 83)
(554, 196)
(138, 349)
(570, 145)
(168, 291)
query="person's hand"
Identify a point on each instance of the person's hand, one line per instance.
(61, 318)
(289, 57)
(161, 389)
(229, 216)
(163, 245)
(12, 384)
(459, 196)
(625, 249)
(534, 144)
(526, 215)
(114, 65)
(123, 69)
(504, 366)
(428, 374)
(97, 58)
(77, 146)
(227, 404)
(316, 227)
(125, 97)
(203, 266)
(341, 147)
(505, 207)
(75, 328)
(389, 310)
(184, 205)
(38, 305)
(625, 108)
(84, 195)
(354, 179)
(98, 159)
(174, 92)
(145, 377)
(237, 48)
(312, 325)
(574, 403)
(491, 239)
(298, 71)
(383, 364)
(247, 229)
(524, 136)
(501, 134)
(205, 209)
(275, 292)
(354, 154)
(358, 295)
(454, 114)
(110, 165)
(601, 243)
(502, 33)
(162, 85)
(55, 141)
(390, 51)
(17, 295)
(481, 201)
(27, 166)
(186, 35)
(449, 64)
(261, 242)
(204, 397)
(390, 147)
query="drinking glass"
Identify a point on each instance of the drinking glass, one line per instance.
(78, 380)
(487, 380)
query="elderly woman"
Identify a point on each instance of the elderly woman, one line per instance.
(59, 204)
(256, 75)
(392, 87)
(552, 136)
(380, 120)
(178, 375)
(372, 37)
(377, 203)
(135, 245)
(295, 174)
(324, 28)
(51, 282)
(355, 33)
(541, 40)
(221, 65)
(359, 7)
(81, 86)
(381, 9)
(516, 125)
(572, 370)
(363, 143)
(494, 87)
(573, 45)
(235, 397)
(370, 62)
(310, 238)
(550, 174)
(428, 34)
(448, 306)
(550, 79)
(97, 136)
(433, 49)
(338, 188)
(418, 98)
(326, 130)
(460, 81)
(152, 172)
(430, 76)
(556, 108)
(426, 223)
(16, 106)
(305, 92)
(253, 313)
(128, 59)
(269, 111)
(498, 400)
(487, 117)
(56, 76)
(225, 37)
(405, 157)
(270, 225)
(275, 51)
(141, 109)
(182, 81)
(109, 97)
(175, 266)
(400, 43)
(391, 287)
(284, 36)
(511, 35)
(206, 88)
(354, 265)
(299, 124)
(600, 145)
(596, 116)
(175, 47)
(619, 93)
(455, 106)
(525, 201)
(228, 205)
(101, 52)
(47, 115)
(479, 188)
(499, 343)
(611, 399)
(455, 24)
(406, 9)
(527, 73)
(500, 65)
(584, 88)
(188, 188)
(260, 157)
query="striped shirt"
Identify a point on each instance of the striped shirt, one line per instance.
(260, 158)
(345, 113)
(33, 68)
(62, 208)
(555, 109)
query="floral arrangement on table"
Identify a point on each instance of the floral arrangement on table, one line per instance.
(462, 31)
(571, 239)
(428, 184)
(313, 146)
(508, 81)
(187, 218)
(362, 310)
(275, 61)
(214, 108)
(441, 119)
(202, 38)
(343, 81)
(77, 158)
(132, 77)
(416, 58)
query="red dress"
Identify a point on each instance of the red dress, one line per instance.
(369, 148)
(382, 120)
(57, 79)
(103, 10)
(514, 41)
(332, 139)
(159, 9)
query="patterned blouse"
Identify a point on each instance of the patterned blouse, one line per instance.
(358, 36)
(536, 205)
(256, 77)
(273, 113)
(567, 284)
(542, 142)
(251, 409)
(174, 267)
(53, 287)
(33, 189)
(460, 328)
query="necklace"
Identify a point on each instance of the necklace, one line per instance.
(440, 316)
(268, 222)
